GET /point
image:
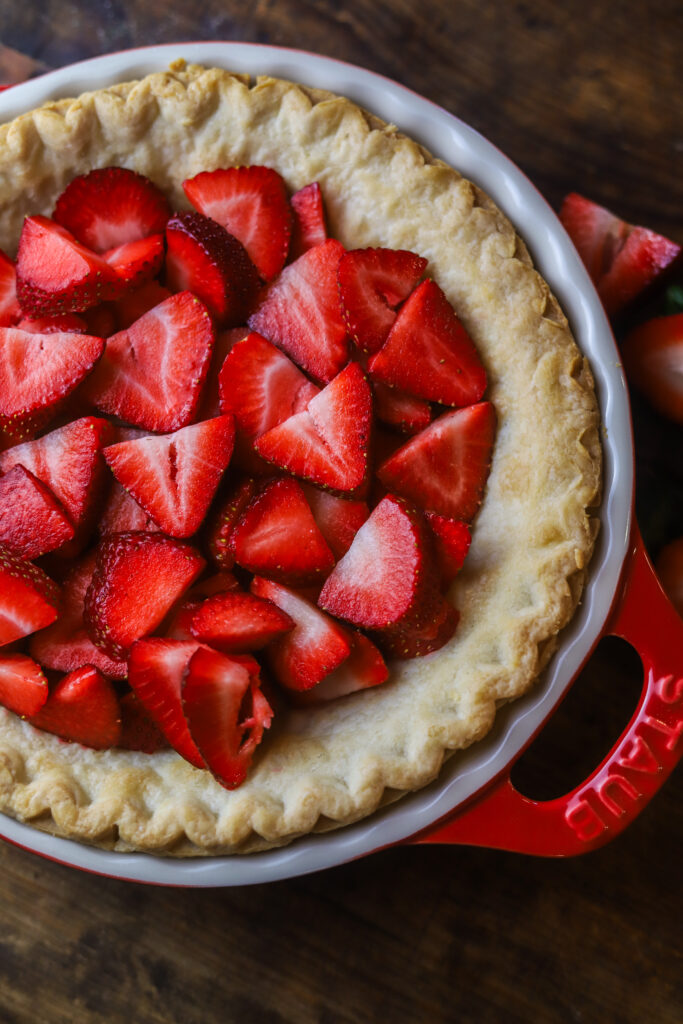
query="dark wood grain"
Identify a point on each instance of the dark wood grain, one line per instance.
(583, 97)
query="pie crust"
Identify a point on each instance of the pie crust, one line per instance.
(324, 767)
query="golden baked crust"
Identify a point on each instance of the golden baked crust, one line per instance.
(532, 539)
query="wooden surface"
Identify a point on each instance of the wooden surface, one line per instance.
(586, 97)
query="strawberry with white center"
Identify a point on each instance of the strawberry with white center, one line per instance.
(308, 228)
(10, 311)
(653, 359)
(137, 262)
(338, 519)
(174, 477)
(82, 708)
(364, 668)
(29, 599)
(236, 622)
(32, 522)
(23, 686)
(372, 283)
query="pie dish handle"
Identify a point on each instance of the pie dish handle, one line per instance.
(643, 757)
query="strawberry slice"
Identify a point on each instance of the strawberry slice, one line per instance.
(365, 667)
(328, 443)
(111, 206)
(452, 540)
(416, 642)
(372, 283)
(82, 708)
(178, 625)
(138, 577)
(137, 262)
(56, 274)
(428, 352)
(174, 477)
(204, 259)
(151, 374)
(121, 513)
(653, 359)
(445, 467)
(134, 304)
(669, 566)
(397, 409)
(23, 686)
(10, 311)
(32, 522)
(299, 312)
(223, 520)
(251, 203)
(236, 622)
(338, 519)
(61, 323)
(65, 645)
(621, 259)
(277, 536)
(308, 227)
(225, 342)
(29, 599)
(315, 647)
(387, 578)
(227, 714)
(138, 730)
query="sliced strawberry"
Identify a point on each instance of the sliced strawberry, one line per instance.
(338, 519)
(445, 467)
(29, 599)
(416, 642)
(328, 443)
(138, 577)
(315, 647)
(222, 522)
(83, 708)
(151, 374)
(225, 342)
(621, 259)
(62, 323)
(32, 522)
(669, 566)
(299, 312)
(23, 686)
(131, 306)
(10, 311)
(174, 477)
(452, 542)
(237, 622)
(65, 645)
(138, 730)
(111, 206)
(121, 513)
(137, 262)
(277, 536)
(178, 625)
(308, 228)
(653, 359)
(428, 352)
(365, 667)
(204, 259)
(226, 712)
(251, 203)
(372, 283)
(56, 274)
(397, 409)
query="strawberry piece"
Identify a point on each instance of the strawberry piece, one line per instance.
(83, 708)
(669, 566)
(365, 667)
(621, 259)
(251, 203)
(338, 519)
(236, 622)
(328, 443)
(29, 599)
(65, 645)
(56, 274)
(178, 625)
(155, 673)
(62, 323)
(32, 522)
(315, 647)
(299, 312)
(416, 642)
(52, 366)
(112, 206)
(225, 342)
(227, 714)
(277, 536)
(653, 359)
(10, 311)
(452, 540)
(308, 227)
(372, 283)
(445, 467)
(397, 409)
(100, 320)
(131, 306)
(23, 686)
(137, 262)
(428, 352)
(121, 513)
(223, 522)
(219, 583)
(204, 259)
(138, 730)
(151, 374)
(137, 579)
(174, 477)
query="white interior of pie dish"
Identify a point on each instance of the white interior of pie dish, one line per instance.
(469, 771)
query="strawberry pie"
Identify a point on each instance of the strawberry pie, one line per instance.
(299, 464)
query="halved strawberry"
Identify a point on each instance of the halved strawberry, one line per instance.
(338, 519)
(82, 708)
(226, 712)
(178, 625)
(251, 203)
(225, 342)
(653, 359)
(299, 312)
(328, 443)
(308, 227)
(236, 622)
(315, 647)
(61, 323)
(32, 522)
(138, 577)
(452, 540)
(372, 283)
(621, 259)
(111, 206)
(174, 477)
(137, 262)
(277, 536)
(445, 467)
(428, 353)
(56, 274)
(669, 566)
(151, 374)
(397, 409)
(365, 667)
(29, 599)
(131, 306)
(138, 730)
(10, 311)
(418, 641)
(23, 686)
(204, 259)
(223, 519)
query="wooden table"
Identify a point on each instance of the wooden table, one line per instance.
(583, 97)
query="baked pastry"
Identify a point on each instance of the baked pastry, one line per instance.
(327, 766)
